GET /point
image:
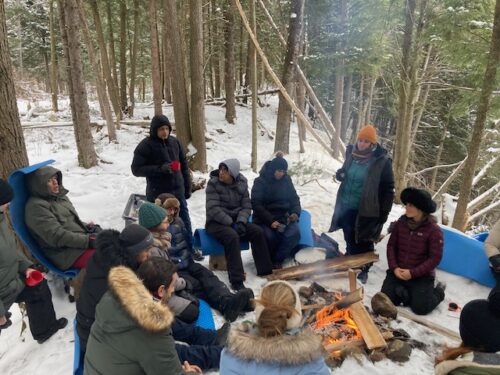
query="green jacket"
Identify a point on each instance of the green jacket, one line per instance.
(53, 221)
(131, 334)
(13, 264)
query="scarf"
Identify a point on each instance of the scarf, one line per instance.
(364, 156)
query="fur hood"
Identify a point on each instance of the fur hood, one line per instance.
(137, 302)
(289, 350)
(489, 361)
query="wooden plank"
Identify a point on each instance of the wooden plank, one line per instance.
(387, 335)
(316, 268)
(426, 323)
(352, 280)
(371, 334)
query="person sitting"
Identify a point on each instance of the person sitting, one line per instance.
(492, 248)
(131, 333)
(228, 209)
(275, 344)
(276, 208)
(203, 282)
(130, 248)
(414, 250)
(54, 223)
(15, 270)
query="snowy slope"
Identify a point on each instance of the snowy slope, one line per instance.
(99, 194)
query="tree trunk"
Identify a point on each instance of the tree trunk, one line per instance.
(459, 219)
(123, 55)
(167, 81)
(133, 59)
(12, 147)
(176, 62)
(368, 110)
(155, 58)
(346, 109)
(439, 152)
(110, 83)
(229, 63)
(361, 105)
(252, 54)
(216, 50)
(288, 77)
(301, 103)
(339, 96)
(111, 37)
(53, 58)
(87, 156)
(197, 85)
(210, 48)
(99, 82)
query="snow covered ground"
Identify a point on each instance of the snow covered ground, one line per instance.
(100, 194)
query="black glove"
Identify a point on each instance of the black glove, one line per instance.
(187, 193)
(166, 168)
(241, 228)
(293, 217)
(495, 263)
(92, 242)
(340, 175)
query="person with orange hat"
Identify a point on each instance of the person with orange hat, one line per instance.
(365, 195)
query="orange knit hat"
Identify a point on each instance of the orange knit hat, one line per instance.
(368, 132)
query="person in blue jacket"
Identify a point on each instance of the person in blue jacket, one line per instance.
(274, 344)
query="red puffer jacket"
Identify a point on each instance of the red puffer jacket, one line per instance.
(419, 250)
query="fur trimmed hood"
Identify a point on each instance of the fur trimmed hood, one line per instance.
(137, 302)
(289, 350)
(469, 360)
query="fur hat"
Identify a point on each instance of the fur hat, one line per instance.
(278, 163)
(136, 239)
(6, 192)
(295, 319)
(151, 215)
(419, 198)
(479, 327)
(368, 132)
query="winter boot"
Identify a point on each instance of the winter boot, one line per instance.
(222, 334)
(60, 324)
(233, 304)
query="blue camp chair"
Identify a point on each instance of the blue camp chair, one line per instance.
(210, 246)
(205, 317)
(16, 208)
(78, 356)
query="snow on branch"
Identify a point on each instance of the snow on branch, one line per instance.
(435, 167)
(483, 171)
(476, 202)
(485, 210)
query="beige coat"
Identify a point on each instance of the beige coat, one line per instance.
(492, 243)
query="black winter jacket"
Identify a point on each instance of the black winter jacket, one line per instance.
(377, 198)
(150, 155)
(272, 199)
(228, 204)
(179, 252)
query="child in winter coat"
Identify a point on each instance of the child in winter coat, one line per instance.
(414, 250)
(184, 305)
(204, 282)
(274, 344)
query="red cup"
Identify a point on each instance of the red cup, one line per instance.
(34, 278)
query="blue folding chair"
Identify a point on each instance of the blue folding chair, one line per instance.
(17, 180)
(78, 356)
(205, 317)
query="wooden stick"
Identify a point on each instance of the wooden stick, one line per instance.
(426, 323)
(312, 307)
(371, 334)
(282, 89)
(348, 300)
(352, 280)
(387, 335)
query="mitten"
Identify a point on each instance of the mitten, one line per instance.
(241, 228)
(175, 165)
(340, 175)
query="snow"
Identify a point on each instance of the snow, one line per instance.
(100, 194)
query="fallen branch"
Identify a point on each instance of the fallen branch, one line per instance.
(480, 213)
(432, 168)
(450, 179)
(426, 323)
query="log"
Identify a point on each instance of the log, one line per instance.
(370, 332)
(387, 335)
(426, 323)
(348, 300)
(333, 275)
(100, 123)
(353, 284)
(339, 264)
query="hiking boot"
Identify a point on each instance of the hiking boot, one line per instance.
(60, 324)
(439, 290)
(197, 255)
(222, 334)
(250, 306)
(234, 304)
(238, 286)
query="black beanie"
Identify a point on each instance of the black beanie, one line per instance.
(278, 163)
(480, 327)
(135, 239)
(419, 198)
(6, 192)
(159, 120)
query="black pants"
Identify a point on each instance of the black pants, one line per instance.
(420, 294)
(348, 222)
(231, 242)
(201, 350)
(41, 315)
(494, 297)
(206, 285)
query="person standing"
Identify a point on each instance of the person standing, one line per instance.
(228, 209)
(276, 208)
(162, 160)
(15, 269)
(365, 195)
(414, 250)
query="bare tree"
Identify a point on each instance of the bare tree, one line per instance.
(123, 54)
(155, 58)
(133, 58)
(229, 63)
(53, 58)
(459, 220)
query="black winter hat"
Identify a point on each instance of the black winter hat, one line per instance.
(158, 121)
(278, 163)
(480, 327)
(6, 192)
(135, 239)
(419, 198)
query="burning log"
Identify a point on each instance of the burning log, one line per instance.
(387, 335)
(339, 264)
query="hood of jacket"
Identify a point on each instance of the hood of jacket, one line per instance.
(37, 182)
(109, 252)
(290, 350)
(127, 293)
(153, 130)
(239, 177)
(267, 173)
(233, 166)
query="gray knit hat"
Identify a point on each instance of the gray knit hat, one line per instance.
(151, 215)
(136, 239)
